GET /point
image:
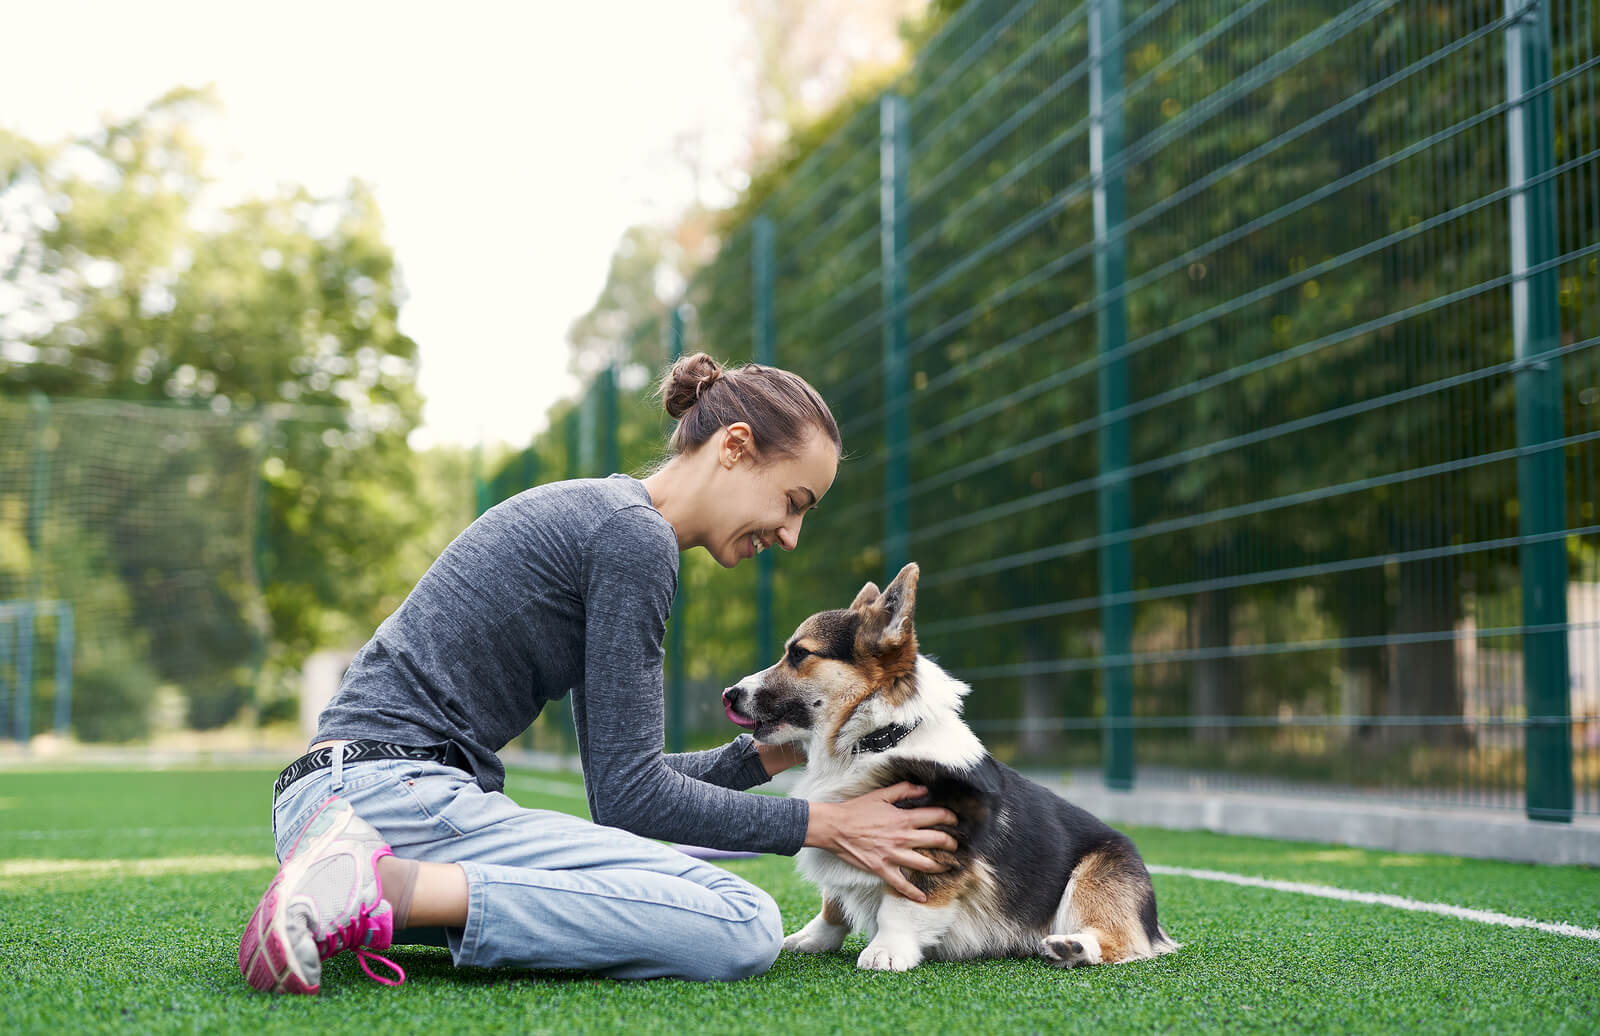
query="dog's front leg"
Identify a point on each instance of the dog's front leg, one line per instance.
(905, 931)
(824, 933)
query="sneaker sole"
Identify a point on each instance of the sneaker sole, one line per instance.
(265, 959)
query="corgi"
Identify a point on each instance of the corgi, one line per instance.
(1032, 874)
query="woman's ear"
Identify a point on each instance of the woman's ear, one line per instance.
(736, 443)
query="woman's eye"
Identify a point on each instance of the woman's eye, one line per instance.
(794, 508)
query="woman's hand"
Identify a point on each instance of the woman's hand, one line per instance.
(778, 758)
(874, 835)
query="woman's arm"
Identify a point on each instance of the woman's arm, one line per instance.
(740, 764)
(620, 710)
(736, 765)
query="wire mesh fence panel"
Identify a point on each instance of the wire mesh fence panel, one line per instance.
(129, 535)
(829, 307)
(1229, 370)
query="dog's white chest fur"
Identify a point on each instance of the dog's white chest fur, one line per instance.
(959, 929)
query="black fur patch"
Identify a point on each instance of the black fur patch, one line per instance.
(1032, 852)
(1147, 915)
(969, 794)
(834, 634)
(793, 711)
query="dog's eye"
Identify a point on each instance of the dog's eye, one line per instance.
(797, 654)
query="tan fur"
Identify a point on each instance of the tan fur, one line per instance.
(951, 885)
(985, 929)
(832, 912)
(868, 594)
(1104, 900)
(844, 714)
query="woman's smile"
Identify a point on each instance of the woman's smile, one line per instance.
(754, 544)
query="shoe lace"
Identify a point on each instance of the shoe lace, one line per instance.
(353, 936)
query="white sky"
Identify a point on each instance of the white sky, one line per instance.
(509, 144)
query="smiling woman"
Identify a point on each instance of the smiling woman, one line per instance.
(754, 450)
(396, 817)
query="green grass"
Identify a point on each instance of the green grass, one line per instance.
(149, 943)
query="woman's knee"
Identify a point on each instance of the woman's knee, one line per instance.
(748, 947)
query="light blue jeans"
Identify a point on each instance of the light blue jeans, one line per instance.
(548, 890)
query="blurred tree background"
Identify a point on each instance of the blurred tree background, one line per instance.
(205, 409)
(1321, 415)
(267, 332)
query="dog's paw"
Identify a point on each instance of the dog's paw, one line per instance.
(878, 957)
(814, 938)
(1069, 951)
(820, 935)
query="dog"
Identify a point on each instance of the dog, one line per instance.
(1032, 873)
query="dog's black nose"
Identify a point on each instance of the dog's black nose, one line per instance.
(730, 697)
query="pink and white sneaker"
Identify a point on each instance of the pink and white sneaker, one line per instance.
(327, 898)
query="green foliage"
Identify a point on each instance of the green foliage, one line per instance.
(277, 316)
(112, 698)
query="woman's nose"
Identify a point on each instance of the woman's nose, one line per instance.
(789, 535)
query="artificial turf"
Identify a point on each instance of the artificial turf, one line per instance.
(148, 942)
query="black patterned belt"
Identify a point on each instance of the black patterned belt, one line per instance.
(357, 751)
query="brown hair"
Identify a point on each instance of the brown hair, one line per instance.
(780, 408)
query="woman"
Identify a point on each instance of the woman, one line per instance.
(395, 818)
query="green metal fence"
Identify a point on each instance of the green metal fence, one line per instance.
(1229, 369)
(129, 561)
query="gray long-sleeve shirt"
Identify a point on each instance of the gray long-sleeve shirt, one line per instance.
(567, 585)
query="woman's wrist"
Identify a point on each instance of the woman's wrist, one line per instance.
(821, 825)
(778, 758)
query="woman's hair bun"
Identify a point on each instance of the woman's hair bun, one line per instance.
(688, 380)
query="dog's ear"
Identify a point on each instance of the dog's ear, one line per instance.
(868, 594)
(891, 616)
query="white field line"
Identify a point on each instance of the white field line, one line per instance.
(540, 786)
(1381, 899)
(133, 832)
(12, 871)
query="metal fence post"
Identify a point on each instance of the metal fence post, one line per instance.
(610, 457)
(586, 434)
(1541, 476)
(65, 638)
(894, 155)
(766, 348)
(573, 429)
(22, 719)
(1110, 266)
(676, 704)
(38, 503)
(5, 664)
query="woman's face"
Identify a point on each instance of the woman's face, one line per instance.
(760, 506)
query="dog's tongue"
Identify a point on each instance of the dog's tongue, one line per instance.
(743, 721)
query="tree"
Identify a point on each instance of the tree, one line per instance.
(130, 286)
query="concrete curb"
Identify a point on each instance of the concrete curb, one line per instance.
(1483, 834)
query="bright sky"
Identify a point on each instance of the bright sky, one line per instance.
(509, 144)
